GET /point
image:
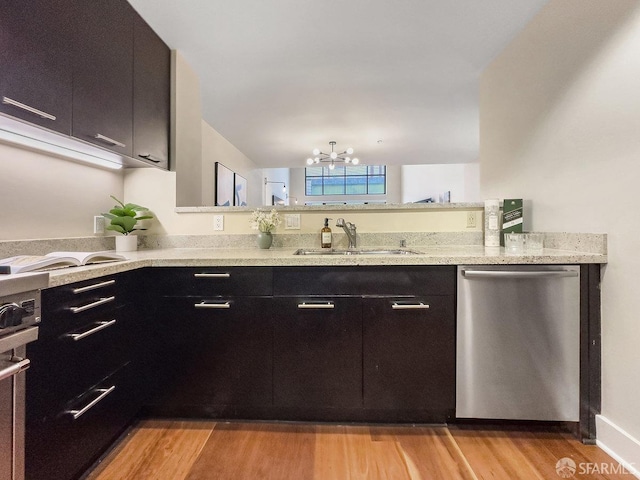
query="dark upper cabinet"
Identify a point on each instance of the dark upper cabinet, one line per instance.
(151, 95)
(35, 62)
(103, 74)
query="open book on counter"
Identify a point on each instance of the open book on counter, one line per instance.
(29, 263)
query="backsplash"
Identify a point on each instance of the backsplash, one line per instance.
(576, 242)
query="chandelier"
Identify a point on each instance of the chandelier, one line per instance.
(332, 157)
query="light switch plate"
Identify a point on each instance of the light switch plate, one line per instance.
(471, 219)
(218, 222)
(292, 221)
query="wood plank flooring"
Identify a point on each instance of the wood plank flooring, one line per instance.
(204, 450)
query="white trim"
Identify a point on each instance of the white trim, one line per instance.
(619, 444)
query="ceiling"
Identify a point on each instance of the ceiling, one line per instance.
(395, 80)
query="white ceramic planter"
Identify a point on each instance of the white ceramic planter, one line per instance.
(126, 243)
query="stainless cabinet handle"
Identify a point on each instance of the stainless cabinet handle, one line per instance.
(88, 306)
(100, 326)
(35, 111)
(311, 306)
(204, 304)
(104, 138)
(93, 287)
(147, 156)
(410, 306)
(519, 273)
(212, 275)
(76, 414)
(19, 365)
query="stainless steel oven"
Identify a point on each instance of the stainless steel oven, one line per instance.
(19, 316)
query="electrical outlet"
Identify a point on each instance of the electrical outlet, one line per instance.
(98, 224)
(218, 222)
(471, 219)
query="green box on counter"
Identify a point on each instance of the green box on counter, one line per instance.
(512, 217)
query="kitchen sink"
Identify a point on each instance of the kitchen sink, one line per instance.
(356, 251)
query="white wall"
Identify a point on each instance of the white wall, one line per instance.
(42, 196)
(560, 125)
(216, 148)
(424, 181)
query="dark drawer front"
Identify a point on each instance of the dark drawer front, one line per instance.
(65, 366)
(375, 280)
(207, 281)
(61, 447)
(73, 306)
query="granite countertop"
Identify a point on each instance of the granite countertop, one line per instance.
(430, 255)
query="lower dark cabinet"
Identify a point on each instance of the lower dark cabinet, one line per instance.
(221, 350)
(317, 352)
(409, 357)
(62, 445)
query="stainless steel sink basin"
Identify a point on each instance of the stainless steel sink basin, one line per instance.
(357, 251)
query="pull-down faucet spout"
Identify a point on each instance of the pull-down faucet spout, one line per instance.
(350, 229)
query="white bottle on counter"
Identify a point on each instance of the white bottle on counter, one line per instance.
(492, 223)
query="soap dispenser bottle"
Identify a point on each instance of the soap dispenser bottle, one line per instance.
(325, 235)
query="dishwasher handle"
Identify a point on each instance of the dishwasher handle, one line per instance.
(519, 273)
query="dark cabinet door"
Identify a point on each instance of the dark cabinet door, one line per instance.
(317, 352)
(103, 74)
(222, 350)
(151, 91)
(409, 354)
(35, 62)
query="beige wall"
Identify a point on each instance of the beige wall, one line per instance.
(560, 125)
(155, 189)
(42, 196)
(216, 148)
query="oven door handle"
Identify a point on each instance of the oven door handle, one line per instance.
(19, 365)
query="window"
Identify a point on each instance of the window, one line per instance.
(346, 180)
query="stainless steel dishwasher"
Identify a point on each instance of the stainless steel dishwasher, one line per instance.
(518, 342)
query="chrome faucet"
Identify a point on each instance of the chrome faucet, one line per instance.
(350, 229)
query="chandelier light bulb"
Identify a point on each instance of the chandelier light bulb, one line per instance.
(334, 155)
(347, 159)
(309, 161)
(355, 161)
(332, 166)
(316, 151)
(316, 160)
(349, 150)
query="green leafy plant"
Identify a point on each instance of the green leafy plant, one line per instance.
(124, 217)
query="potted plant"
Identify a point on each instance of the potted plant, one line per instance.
(265, 223)
(124, 219)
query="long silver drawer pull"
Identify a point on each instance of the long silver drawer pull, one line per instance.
(212, 275)
(100, 326)
(147, 156)
(93, 287)
(88, 306)
(212, 305)
(76, 414)
(410, 306)
(19, 365)
(99, 136)
(324, 305)
(518, 273)
(35, 111)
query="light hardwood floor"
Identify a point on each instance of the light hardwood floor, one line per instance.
(203, 450)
